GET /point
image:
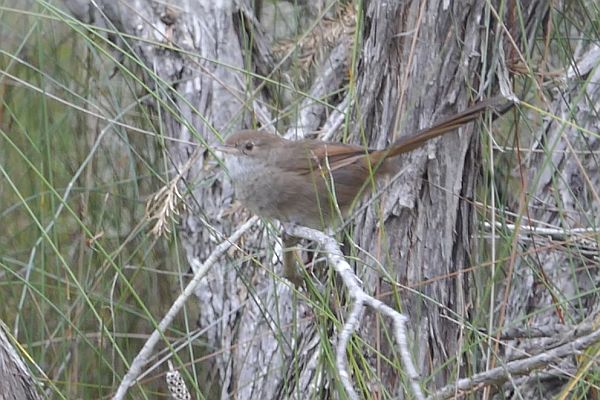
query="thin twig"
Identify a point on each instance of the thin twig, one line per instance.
(199, 272)
(555, 233)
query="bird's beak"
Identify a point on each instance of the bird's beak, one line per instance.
(223, 148)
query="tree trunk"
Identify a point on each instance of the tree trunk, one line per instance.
(422, 227)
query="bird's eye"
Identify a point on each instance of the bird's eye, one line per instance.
(249, 146)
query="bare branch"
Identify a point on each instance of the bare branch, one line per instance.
(518, 367)
(328, 80)
(200, 271)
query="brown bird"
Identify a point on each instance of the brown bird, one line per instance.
(306, 182)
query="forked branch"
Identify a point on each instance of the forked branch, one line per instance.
(361, 300)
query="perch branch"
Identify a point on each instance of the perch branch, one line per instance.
(361, 300)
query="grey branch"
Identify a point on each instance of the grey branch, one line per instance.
(518, 367)
(199, 272)
(328, 80)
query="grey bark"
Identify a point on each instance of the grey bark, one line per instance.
(427, 229)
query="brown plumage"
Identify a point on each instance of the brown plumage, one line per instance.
(305, 181)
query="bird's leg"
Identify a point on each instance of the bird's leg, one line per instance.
(292, 261)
